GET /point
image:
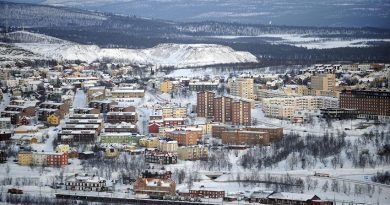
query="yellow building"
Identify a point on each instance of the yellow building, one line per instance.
(53, 119)
(111, 152)
(166, 86)
(25, 158)
(326, 82)
(174, 112)
(63, 148)
(196, 152)
(149, 142)
(242, 87)
(167, 146)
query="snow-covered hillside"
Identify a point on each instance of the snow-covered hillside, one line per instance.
(177, 55)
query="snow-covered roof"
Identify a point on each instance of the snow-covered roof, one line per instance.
(291, 196)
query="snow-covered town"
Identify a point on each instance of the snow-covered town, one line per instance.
(318, 133)
(194, 102)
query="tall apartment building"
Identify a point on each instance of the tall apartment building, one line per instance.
(205, 104)
(241, 113)
(242, 87)
(223, 109)
(367, 102)
(325, 82)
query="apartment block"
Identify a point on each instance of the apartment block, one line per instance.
(120, 138)
(127, 93)
(185, 136)
(197, 152)
(244, 137)
(367, 102)
(242, 87)
(286, 107)
(167, 145)
(203, 86)
(174, 112)
(118, 117)
(205, 104)
(166, 86)
(223, 109)
(326, 82)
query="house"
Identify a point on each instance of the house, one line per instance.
(203, 192)
(295, 198)
(155, 187)
(154, 127)
(111, 152)
(53, 119)
(87, 183)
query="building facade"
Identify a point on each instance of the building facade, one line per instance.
(367, 102)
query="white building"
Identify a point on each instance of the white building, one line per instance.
(286, 107)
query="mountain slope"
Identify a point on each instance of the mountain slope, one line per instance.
(177, 55)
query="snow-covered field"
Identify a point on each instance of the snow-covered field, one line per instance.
(301, 40)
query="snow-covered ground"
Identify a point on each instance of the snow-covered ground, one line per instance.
(177, 55)
(301, 40)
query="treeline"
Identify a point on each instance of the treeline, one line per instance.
(328, 149)
(382, 177)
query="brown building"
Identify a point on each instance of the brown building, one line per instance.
(274, 133)
(216, 130)
(104, 105)
(86, 111)
(77, 136)
(185, 137)
(367, 102)
(16, 112)
(243, 137)
(155, 187)
(118, 117)
(223, 109)
(48, 108)
(207, 193)
(205, 104)
(241, 113)
(120, 108)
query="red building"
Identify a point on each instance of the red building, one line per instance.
(171, 122)
(57, 159)
(154, 127)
